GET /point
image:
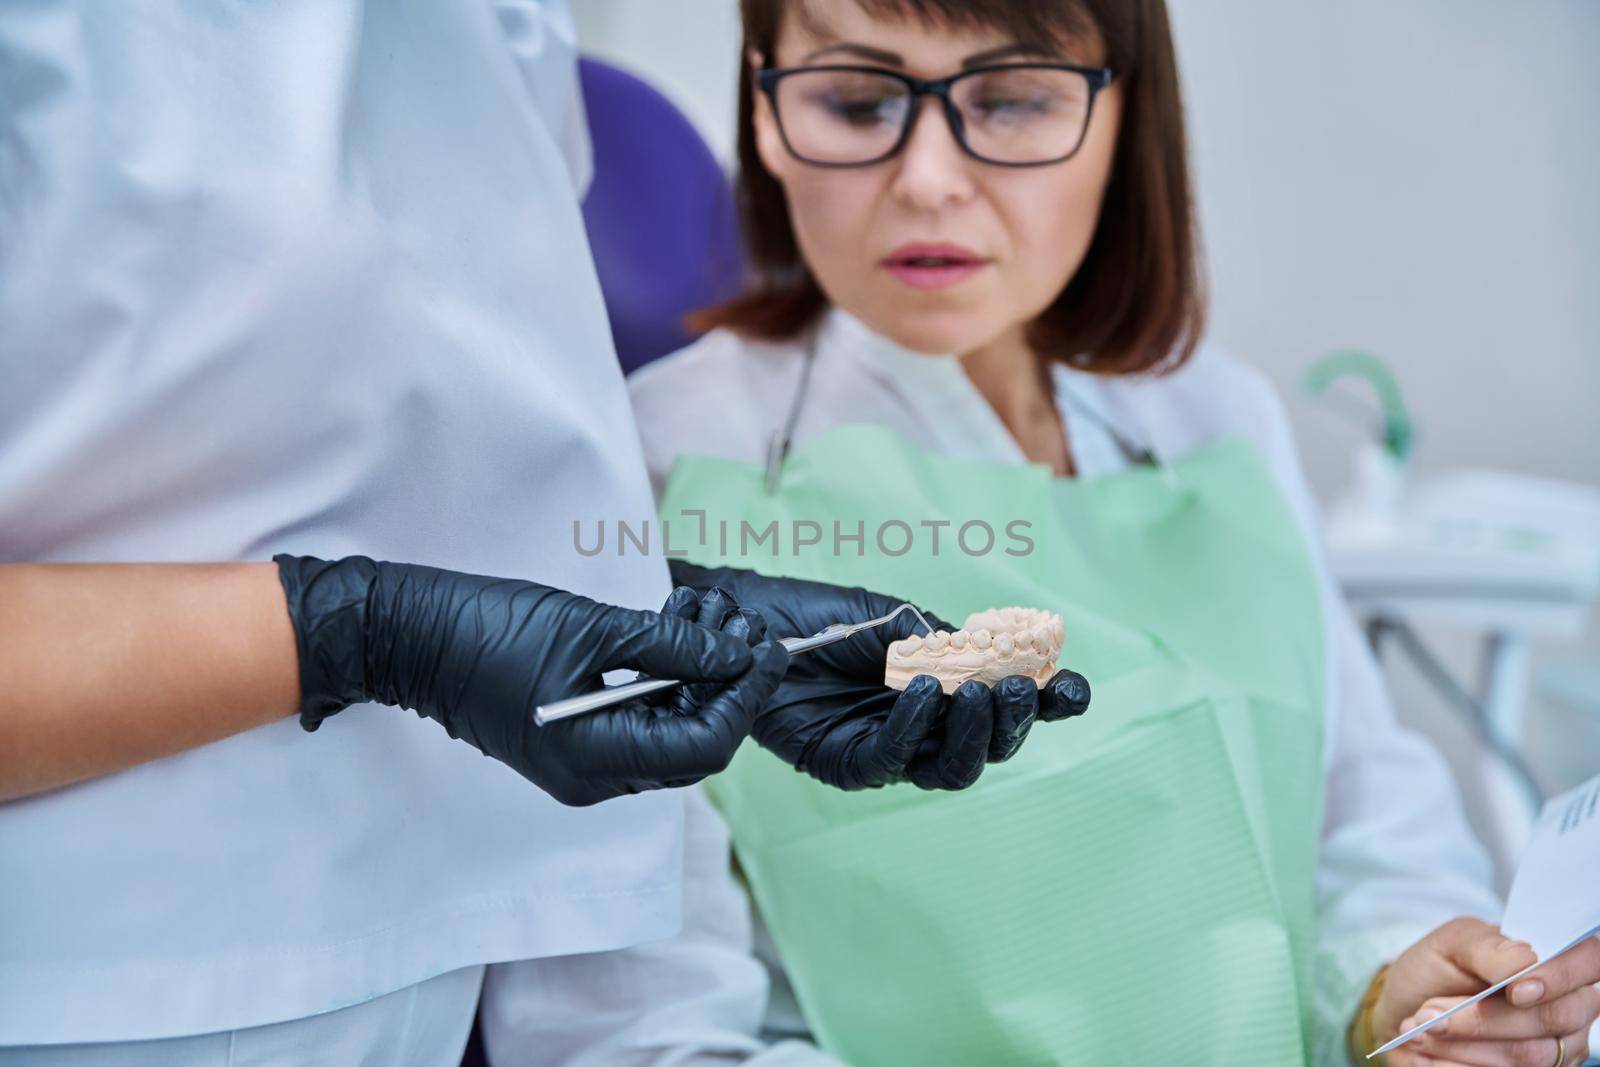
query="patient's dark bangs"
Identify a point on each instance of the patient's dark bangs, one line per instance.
(1054, 23)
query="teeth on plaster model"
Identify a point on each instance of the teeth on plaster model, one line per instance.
(992, 645)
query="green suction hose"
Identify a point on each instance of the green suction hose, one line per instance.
(1397, 429)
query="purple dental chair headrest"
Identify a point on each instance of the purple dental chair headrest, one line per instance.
(660, 215)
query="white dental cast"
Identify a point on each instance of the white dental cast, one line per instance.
(992, 645)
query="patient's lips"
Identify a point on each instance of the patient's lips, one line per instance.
(933, 266)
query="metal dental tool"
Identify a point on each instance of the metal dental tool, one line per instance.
(617, 694)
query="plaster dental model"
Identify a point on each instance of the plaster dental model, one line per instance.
(992, 645)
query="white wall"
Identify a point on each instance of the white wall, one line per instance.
(1420, 178)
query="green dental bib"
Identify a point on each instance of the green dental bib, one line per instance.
(1135, 886)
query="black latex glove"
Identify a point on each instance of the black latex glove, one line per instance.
(834, 718)
(480, 654)
(717, 611)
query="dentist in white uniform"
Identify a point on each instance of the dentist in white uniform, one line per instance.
(309, 277)
(262, 288)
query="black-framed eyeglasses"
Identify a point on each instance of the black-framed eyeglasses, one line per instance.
(1014, 115)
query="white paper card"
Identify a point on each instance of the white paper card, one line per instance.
(1555, 897)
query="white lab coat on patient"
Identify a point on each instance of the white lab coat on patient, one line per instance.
(1397, 857)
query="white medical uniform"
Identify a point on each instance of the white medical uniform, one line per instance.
(306, 276)
(1397, 856)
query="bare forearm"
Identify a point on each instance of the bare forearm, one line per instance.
(104, 666)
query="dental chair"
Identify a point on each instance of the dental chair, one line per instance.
(662, 229)
(660, 215)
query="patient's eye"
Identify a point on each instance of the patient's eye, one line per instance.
(855, 99)
(1019, 107)
(862, 111)
(1024, 95)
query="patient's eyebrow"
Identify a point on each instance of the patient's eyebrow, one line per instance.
(1006, 52)
(894, 59)
(877, 55)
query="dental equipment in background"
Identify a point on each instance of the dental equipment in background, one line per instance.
(1507, 554)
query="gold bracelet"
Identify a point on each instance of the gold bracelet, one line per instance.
(1362, 1038)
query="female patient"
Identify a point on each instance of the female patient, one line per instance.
(973, 219)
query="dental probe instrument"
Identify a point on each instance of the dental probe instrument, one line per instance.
(617, 694)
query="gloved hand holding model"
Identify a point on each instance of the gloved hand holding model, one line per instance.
(834, 718)
(479, 654)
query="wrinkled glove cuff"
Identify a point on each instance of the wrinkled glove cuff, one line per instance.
(329, 605)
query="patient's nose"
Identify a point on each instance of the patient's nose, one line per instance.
(933, 171)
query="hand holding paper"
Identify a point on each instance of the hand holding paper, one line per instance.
(1547, 954)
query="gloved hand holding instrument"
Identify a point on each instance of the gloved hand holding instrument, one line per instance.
(833, 717)
(478, 654)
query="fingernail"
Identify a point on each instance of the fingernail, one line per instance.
(1525, 993)
(1426, 1016)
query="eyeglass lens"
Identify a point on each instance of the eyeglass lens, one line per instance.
(1016, 115)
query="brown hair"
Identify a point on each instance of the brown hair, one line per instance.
(1135, 303)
